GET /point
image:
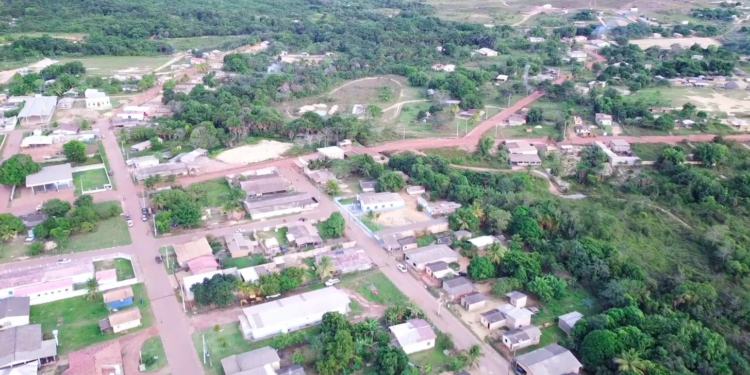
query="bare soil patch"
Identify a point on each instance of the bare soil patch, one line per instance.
(666, 43)
(408, 215)
(264, 150)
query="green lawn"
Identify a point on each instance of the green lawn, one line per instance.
(110, 233)
(371, 224)
(434, 357)
(425, 240)
(211, 193)
(77, 320)
(153, 348)
(87, 180)
(124, 267)
(244, 262)
(351, 200)
(279, 234)
(459, 156)
(106, 66)
(105, 160)
(223, 343)
(651, 151)
(354, 306)
(388, 294)
(547, 131)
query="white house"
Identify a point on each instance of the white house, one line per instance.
(523, 337)
(291, 313)
(143, 161)
(501, 78)
(487, 52)
(506, 315)
(619, 145)
(603, 119)
(414, 336)
(380, 201)
(333, 152)
(482, 242)
(535, 40)
(421, 257)
(96, 99)
(578, 56)
(521, 147)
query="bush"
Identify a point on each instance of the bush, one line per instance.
(481, 268)
(287, 340)
(444, 341)
(36, 248)
(333, 227)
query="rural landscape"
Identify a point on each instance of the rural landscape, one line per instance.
(290, 187)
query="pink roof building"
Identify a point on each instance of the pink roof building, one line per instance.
(206, 263)
(42, 289)
(106, 276)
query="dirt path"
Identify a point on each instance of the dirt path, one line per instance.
(399, 105)
(170, 62)
(130, 346)
(349, 83)
(208, 320)
(369, 309)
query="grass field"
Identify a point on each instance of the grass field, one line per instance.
(505, 132)
(244, 262)
(105, 160)
(371, 224)
(650, 151)
(433, 357)
(202, 42)
(110, 233)
(106, 66)
(153, 348)
(91, 179)
(459, 156)
(388, 294)
(124, 267)
(212, 193)
(77, 320)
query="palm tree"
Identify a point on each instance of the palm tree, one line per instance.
(92, 289)
(478, 210)
(496, 252)
(631, 361)
(473, 354)
(371, 325)
(325, 268)
(248, 289)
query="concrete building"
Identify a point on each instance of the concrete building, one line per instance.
(121, 321)
(523, 160)
(521, 338)
(435, 209)
(303, 234)
(54, 177)
(252, 274)
(191, 250)
(516, 120)
(164, 170)
(38, 110)
(66, 129)
(8, 123)
(568, 321)
(25, 344)
(240, 246)
(380, 201)
(291, 313)
(618, 160)
(520, 147)
(483, 242)
(143, 161)
(414, 336)
(267, 184)
(143, 146)
(350, 260)
(517, 299)
(439, 270)
(118, 298)
(280, 204)
(14, 312)
(133, 113)
(603, 119)
(203, 264)
(101, 359)
(415, 190)
(473, 301)
(189, 157)
(550, 360)
(97, 100)
(506, 315)
(33, 219)
(391, 238)
(457, 287)
(45, 283)
(619, 145)
(255, 362)
(577, 56)
(487, 52)
(423, 256)
(367, 186)
(333, 152)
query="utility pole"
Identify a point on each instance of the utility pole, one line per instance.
(440, 303)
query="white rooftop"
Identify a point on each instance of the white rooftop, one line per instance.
(279, 312)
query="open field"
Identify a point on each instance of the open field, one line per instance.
(212, 193)
(76, 37)
(88, 180)
(708, 99)
(202, 42)
(253, 153)
(77, 319)
(388, 294)
(407, 123)
(459, 156)
(153, 348)
(651, 151)
(666, 43)
(124, 267)
(105, 66)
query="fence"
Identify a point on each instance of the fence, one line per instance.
(354, 218)
(85, 168)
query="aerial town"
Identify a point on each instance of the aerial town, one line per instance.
(383, 187)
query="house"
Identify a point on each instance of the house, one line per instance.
(189, 157)
(617, 159)
(449, 68)
(603, 119)
(550, 360)
(446, 240)
(97, 100)
(121, 321)
(353, 259)
(487, 52)
(535, 40)
(253, 274)
(164, 170)
(582, 130)
(415, 190)
(303, 234)
(8, 123)
(739, 124)
(25, 344)
(101, 359)
(522, 160)
(482, 241)
(473, 301)
(520, 147)
(291, 313)
(568, 321)
(321, 176)
(696, 57)
(255, 362)
(619, 145)
(118, 298)
(142, 161)
(521, 338)
(267, 184)
(462, 234)
(517, 299)
(104, 277)
(380, 201)
(344, 143)
(600, 43)
(264, 207)
(66, 129)
(516, 120)
(192, 249)
(414, 336)
(439, 269)
(732, 85)
(53, 177)
(38, 110)
(390, 237)
(580, 38)
(506, 315)
(686, 123)
(407, 243)
(240, 246)
(203, 264)
(143, 146)
(435, 209)
(14, 312)
(501, 78)
(333, 152)
(33, 219)
(577, 56)
(49, 283)
(457, 287)
(367, 186)
(421, 257)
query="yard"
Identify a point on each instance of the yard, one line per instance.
(211, 193)
(89, 180)
(388, 294)
(244, 262)
(110, 233)
(105, 160)
(371, 224)
(106, 66)
(77, 320)
(459, 156)
(505, 132)
(651, 151)
(124, 267)
(153, 348)
(279, 234)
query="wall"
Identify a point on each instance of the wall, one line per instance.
(14, 321)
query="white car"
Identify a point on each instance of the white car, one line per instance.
(63, 261)
(332, 282)
(241, 230)
(401, 267)
(130, 223)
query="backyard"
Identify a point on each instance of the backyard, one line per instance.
(77, 319)
(153, 348)
(387, 295)
(89, 180)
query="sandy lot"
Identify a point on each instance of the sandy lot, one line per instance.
(262, 151)
(6, 75)
(666, 43)
(723, 103)
(406, 216)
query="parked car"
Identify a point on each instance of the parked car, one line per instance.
(63, 261)
(30, 237)
(302, 219)
(111, 172)
(241, 230)
(401, 267)
(332, 282)
(130, 223)
(144, 218)
(159, 259)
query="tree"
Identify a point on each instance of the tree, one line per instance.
(218, 290)
(156, 143)
(498, 220)
(535, 116)
(671, 156)
(92, 289)
(485, 146)
(524, 225)
(474, 353)
(148, 81)
(334, 227)
(60, 235)
(10, 226)
(337, 354)
(332, 188)
(521, 265)
(688, 110)
(599, 347)
(84, 201)
(481, 268)
(391, 361)
(75, 151)
(630, 362)
(664, 122)
(186, 214)
(390, 181)
(385, 94)
(464, 219)
(547, 287)
(496, 252)
(55, 208)
(14, 170)
(711, 154)
(418, 78)
(325, 268)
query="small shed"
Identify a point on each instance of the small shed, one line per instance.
(118, 298)
(438, 270)
(568, 321)
(367, 186)
(732, 85)
(473, 301)
(457, 287)
(517, 299)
